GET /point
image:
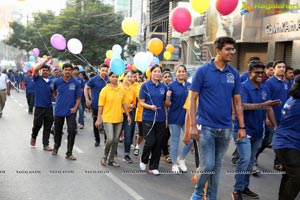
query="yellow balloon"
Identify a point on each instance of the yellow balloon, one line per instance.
(60, 64)
(121, 77)
(155, 46)
(134, 67)
(148, 73)
(200, 6)
(130, 26)
(45, 57)
(109, 53)
(167, 55)
(170, 48)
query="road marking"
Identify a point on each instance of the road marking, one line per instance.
(75, 148)
(125, 187)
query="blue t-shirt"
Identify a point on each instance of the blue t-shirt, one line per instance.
(216, 89)
(244, 76)
(154, 95)
(29, 85)
(81, 82)
(43, 92)
(96, 84)
(254, 119)
(67, 94)
(287, 134)
(176, 112)
(278, 90)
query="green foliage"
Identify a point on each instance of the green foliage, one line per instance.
(96, 26)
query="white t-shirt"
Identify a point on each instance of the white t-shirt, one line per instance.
(3, 80)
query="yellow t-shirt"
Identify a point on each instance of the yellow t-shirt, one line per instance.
(112, 99)
(139, 108)
(187, 101)
(130, 96)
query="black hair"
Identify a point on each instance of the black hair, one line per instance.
(103, 65)
(296, 72)
(67, 65)
(287, 68)
(176, 68)
(46, 67)
(155, 66)
(255, 64)
(295, 90)
(84, 75)
(269, 65)
(253, 58)
(76, 68)
(111, 73)
(166, 70)
(277, 62)
(222, 41)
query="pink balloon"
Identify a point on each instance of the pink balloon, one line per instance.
(181, 19)
(107, 61)
(129, 67)
(225, 7)
(36, 52)
(58, 42)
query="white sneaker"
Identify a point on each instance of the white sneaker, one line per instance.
(175, 169)
(142, 166)
(182, 165)
(154, 172)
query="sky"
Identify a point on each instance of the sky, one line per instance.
(19, 9)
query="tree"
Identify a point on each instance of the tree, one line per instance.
(96, 26)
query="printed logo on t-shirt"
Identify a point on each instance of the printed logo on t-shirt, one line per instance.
(230, 78)
(264, 95)
(72, 86)
(162, 91)
(286, 86)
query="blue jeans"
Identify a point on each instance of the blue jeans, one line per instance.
(213, 144)
(247, 148)
(175, 130)
(80, 114)
(128, 134)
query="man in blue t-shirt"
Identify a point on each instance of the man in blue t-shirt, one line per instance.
(256, 100)
(217, 86)
(91, 93)
(43, 112)
(68, 97)
(29, 84)
(278, 90)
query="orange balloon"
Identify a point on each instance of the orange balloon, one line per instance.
(170, 48)
(148, 73)
(155, 46)
(134, 67)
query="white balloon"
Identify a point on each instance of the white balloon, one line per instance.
(74, 45)
(117, 49)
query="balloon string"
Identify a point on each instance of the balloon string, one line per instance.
(87, 62)
(42, 40)
(80, 58)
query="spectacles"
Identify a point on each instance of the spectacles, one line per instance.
(167, 77)
(259, 73)
(230, 49)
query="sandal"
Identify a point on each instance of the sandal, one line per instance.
(113, 163)
(71, 157)
(168, 159)
(104, 161)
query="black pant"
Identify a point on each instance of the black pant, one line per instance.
(95, 129)
(71, 129)
(165, 146)
(153, 142)
(290, 181)
(42, 116)
(30, 101)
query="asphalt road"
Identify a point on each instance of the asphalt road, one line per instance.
(29, 173)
